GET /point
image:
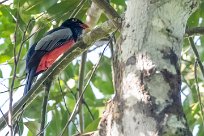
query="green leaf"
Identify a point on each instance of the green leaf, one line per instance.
(96, 103)
(34, 110)
(33, 126)
(1, 76)
(92, 126)
(118, 2)
(4, 58)
(200, 130)
(37, 6)
(89, 93)
(103, 86)
(55, 124)
(65, 7)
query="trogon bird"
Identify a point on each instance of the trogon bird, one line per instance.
(44, 53)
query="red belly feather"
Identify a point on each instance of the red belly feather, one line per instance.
(49, 58)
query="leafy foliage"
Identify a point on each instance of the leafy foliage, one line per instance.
(44, 15)
(191, 104)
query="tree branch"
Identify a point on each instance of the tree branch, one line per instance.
(198, 92)
(196, 55)
(3, 1)
(92, 19)
(89, 110)
(44, 106)
(3, 116)
(80, 88)
(109, 12)
(194, 31)
(60, 65)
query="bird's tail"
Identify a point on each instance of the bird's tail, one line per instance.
(29, 80)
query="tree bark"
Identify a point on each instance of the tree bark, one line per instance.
(146, 71)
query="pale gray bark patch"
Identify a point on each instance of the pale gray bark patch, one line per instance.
(146, 67)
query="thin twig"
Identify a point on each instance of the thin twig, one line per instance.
(16, 60)
(43, 129)
(89, 110)
(65, 103)
(78, 8)
(187, 61)
(3, 1)
(86, 134)
(3, 116)
(194, 31)
(4, 86)
(44, 107)
(80, 88)
(16, 124)
(78, 101)
(196, 55)
(60, 87)
(109, 11)
(75, 98)
(64, 14)
(198, 92)
(71, 91)
(10, 114)
(13, 89)
(4, 91)
(98, 46)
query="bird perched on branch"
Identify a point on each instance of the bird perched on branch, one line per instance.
(44, 53)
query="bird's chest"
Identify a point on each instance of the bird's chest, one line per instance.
(49, 58)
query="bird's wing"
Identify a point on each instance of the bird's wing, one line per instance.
(54, 39)
(51, 41)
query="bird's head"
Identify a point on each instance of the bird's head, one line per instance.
(74, 22)
(76, 27)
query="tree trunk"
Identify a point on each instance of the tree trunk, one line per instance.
(146, 71)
